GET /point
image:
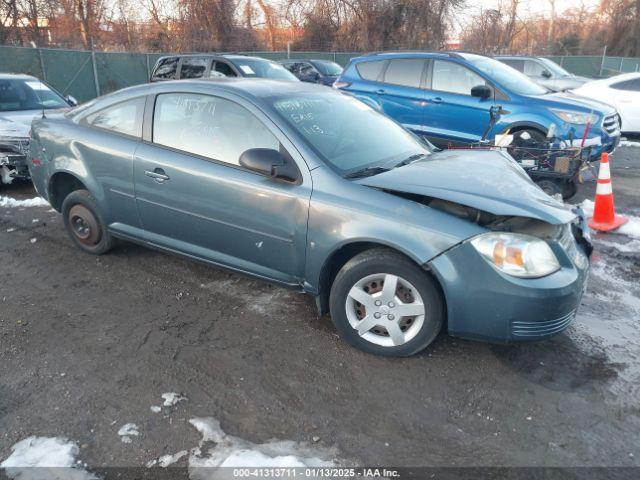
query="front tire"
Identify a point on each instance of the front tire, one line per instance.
(84, 223)
(384, 304)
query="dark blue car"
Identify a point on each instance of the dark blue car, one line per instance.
(433, 95)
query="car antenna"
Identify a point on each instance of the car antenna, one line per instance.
(40, 98)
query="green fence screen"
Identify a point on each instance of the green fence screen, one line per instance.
(85, 74)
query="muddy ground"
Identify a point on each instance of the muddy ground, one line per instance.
(88, 344)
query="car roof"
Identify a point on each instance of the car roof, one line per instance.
(418, 54)
(284, 60)
(229, 56)
(516, 57)
(249, 88)
(9, 76)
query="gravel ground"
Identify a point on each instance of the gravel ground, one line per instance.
(89, 344)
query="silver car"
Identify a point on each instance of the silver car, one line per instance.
(22, 98)
(545, 72)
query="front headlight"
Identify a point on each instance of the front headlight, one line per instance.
(576, 117)
(516, 254)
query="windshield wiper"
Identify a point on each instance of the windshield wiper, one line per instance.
(409, 160)
(366, 172)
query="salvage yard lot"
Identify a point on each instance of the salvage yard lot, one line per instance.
(90, 344)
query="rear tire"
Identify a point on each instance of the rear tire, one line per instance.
(84, 223)
(397, 320)
(569, 189)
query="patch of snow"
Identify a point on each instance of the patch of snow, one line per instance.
(35, 220)
(55, 458)
(165, 460)
(29, 202)
(230, 451)
(630, 247)
(9, 230)
(127, 431)
(155, 409)
(631, 228)
(172, 398)
(628, 143)
(33, 240)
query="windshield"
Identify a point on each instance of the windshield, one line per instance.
(554, 68)
(252, 67)
(346, 133)
(28, 94)
(330, 69)
(506, 76)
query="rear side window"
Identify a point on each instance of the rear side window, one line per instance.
(166, 69)
(221, 69)
(193, 67)
(628, 85)
(209, 126)
(124, 117)
(370, 70)
(405, 71)
(454, 78)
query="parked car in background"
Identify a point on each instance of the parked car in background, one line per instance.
(22, 98)
(314, 190)
(544, 72)
(447, 97)
(180, 67)
(315, 71)
(622, 92)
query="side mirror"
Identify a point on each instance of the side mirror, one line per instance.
(481, 91)
(270, 163)
(546, 74)
(71, 100)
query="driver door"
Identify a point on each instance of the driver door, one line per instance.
(194, 197)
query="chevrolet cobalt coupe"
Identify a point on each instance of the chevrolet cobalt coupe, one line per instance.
(312, 189)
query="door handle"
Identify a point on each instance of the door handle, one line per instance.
(436, 100)
(381, 91)
(157, 174)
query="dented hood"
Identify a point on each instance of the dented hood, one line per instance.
(484, 179)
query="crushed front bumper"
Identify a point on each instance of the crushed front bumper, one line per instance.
(13, 158)
(484, 303)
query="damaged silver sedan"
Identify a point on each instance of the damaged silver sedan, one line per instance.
(310, 188)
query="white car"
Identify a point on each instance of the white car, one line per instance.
(622, 92)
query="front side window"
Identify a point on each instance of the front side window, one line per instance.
(166, 69)
(221, 69)
(208, 126)
(193, 67)
(28, 94)
(344, 132)
(533, 69)
(253, 67)
(517, 64)
(405, 71)
(454, 78)
(371, 70)
(331, 69)
(124, 117)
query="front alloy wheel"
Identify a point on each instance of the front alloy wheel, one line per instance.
(383, 303)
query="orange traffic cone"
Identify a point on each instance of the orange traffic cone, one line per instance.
(604, 215)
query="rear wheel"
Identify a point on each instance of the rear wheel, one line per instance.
(569, 189)
(84, 224)
(382, 303)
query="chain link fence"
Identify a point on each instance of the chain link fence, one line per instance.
(86, 75)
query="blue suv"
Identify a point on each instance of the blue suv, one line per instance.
(447, 97)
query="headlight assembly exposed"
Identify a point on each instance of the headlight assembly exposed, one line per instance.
(515, 254)
(576, 118)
